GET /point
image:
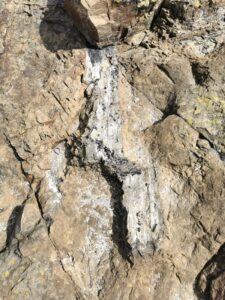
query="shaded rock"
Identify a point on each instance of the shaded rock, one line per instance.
(105, 22)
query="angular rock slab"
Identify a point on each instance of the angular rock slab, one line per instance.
(103, 22)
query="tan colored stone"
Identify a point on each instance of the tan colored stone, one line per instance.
(105, 22)
(111, 160)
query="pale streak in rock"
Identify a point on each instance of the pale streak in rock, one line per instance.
(52, 175)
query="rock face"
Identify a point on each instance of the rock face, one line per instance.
(112, 159)
(105, 22)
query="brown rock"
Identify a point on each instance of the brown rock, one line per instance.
(105, 22)
(112, 159)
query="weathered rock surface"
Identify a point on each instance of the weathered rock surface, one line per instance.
(112, 160)
(107, 21)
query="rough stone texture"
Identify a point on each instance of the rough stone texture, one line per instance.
(107, 21)
(112, 160)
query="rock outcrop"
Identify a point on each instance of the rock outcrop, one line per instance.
(112, 158)
(105, 22)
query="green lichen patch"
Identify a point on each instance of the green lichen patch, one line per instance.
(207, 115)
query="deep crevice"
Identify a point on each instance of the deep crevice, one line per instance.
(20, 159)
(172, 106)
(14, 224)
(200, 73)
(119, 227)
(212, 270)
(165, 18)
(157, 14)
(203, 137)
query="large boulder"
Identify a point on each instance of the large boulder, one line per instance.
(103, 22)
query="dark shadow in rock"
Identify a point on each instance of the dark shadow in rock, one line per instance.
(200, 73)
(167, 13)
(210, 282)
(119, 226)
(14, 223)
(58, 30)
